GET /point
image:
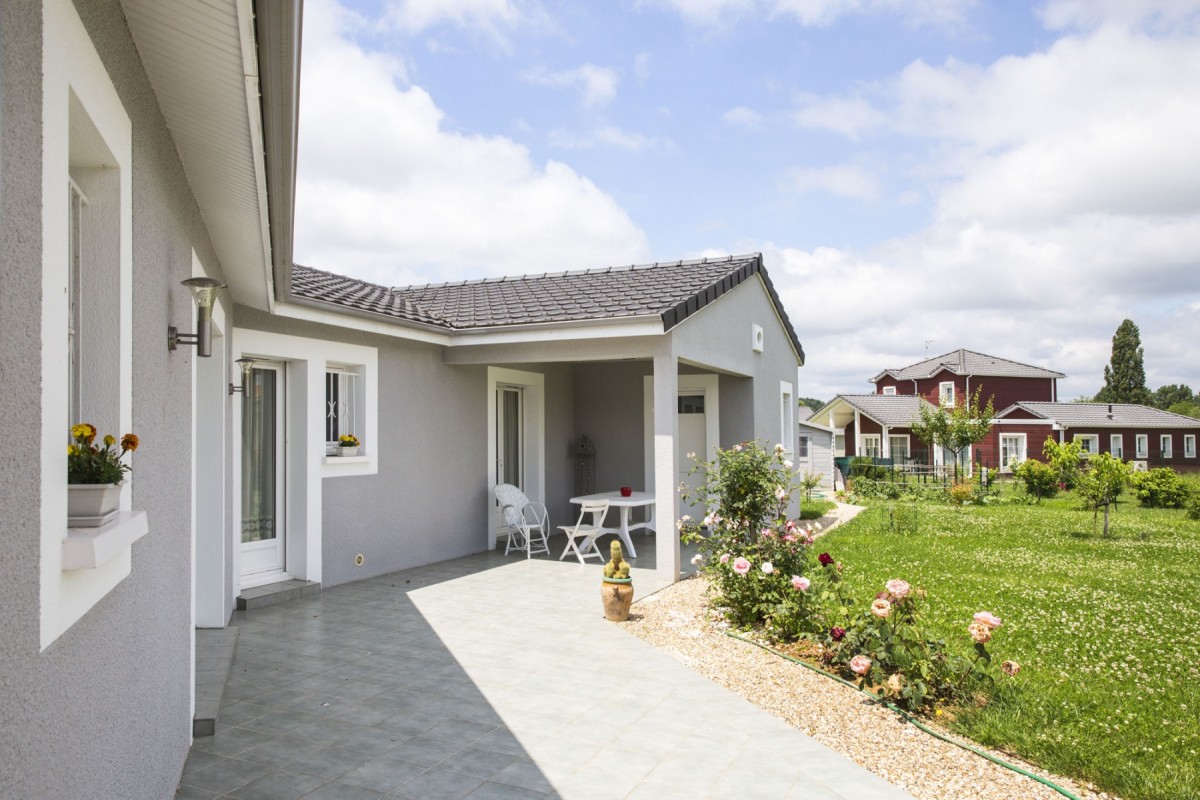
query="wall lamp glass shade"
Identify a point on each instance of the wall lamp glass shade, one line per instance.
(204, 292)
(245, 364)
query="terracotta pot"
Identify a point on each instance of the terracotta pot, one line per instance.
(617, 596)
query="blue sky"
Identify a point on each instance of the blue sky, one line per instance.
(920, 175)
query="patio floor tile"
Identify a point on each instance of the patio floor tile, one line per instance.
(421, 685)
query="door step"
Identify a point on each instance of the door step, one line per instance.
(214, 654)
(273, 593)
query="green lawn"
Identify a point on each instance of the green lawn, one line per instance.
(1107, 631)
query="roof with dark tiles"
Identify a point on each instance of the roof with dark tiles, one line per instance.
(968, 362)
(1103, 415)
(670, 291)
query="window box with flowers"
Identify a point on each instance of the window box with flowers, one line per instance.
(348, 445)
(97, 529)
(94, 475)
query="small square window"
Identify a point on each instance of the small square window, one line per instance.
(1090, 443)
(889, 390)
(802, 449)
(946, 394)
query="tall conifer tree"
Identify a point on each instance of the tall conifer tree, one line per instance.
(1125, 375)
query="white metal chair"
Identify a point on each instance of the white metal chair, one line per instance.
(585, 533)
(528, 522)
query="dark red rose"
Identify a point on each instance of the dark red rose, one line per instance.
(825, 559)
(837, 633)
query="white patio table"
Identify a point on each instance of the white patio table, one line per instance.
(625, 504)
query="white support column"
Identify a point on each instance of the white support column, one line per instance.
(857, 433)
(884, 444)
(666, 474)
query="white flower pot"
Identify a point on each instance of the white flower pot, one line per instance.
(347, 451)
(88, 502)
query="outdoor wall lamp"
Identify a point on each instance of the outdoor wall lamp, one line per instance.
(204, 292)
(245, 364)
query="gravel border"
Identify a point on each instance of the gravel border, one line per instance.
(677, 620)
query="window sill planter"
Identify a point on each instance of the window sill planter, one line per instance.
(346, 452)
(90, 505)
(88, 548)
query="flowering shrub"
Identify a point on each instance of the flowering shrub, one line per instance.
(348, 440)
(961, 492)
(762, 568)
(89, 463)
(886, 651)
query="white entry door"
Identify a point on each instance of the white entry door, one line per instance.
(262, 528)
(510, 467)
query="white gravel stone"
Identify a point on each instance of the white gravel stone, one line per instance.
(677, 621)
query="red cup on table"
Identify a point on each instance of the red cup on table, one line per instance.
(626, 491)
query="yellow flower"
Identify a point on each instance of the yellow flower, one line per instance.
(72, 450)
(83, 430)
(109, 440)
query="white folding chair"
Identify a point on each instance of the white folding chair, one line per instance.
(585, 533)
(528, 522)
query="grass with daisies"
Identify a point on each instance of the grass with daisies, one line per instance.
(1106, 630)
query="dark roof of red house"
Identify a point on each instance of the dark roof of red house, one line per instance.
(1103, 415)
(968, 362)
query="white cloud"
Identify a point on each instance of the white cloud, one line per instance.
(743, 117)
(387, 193)
(1087, 14)
(641, 66)
(597, 86)
(1066, 197)
(849, 116)
(606, 136)
(821, 13)
(843, 180)
(494, 18)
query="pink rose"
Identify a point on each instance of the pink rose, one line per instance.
(767, 567)
(741, 566)
(724, 558)
(800, 583)
(989, 619)
(1010, 668)
(860, 664)
(881, 608)
(766, 532)
(898, 589)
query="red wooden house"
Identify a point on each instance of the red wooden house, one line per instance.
(1025, 399)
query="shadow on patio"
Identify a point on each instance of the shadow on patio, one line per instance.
(487, 677)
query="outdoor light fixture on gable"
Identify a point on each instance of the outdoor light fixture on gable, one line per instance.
(245, 364)
(204, 292)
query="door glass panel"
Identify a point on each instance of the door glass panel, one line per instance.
(258, 456)
(691, 404)
(510, 437)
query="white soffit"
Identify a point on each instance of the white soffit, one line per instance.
(203, 65)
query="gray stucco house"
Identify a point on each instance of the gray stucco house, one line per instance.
(149, 142)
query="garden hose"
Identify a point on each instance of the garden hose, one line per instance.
(909, 718)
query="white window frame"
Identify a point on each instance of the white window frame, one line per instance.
(787, 418)
(1189, 445)
(866, 439)
(1166, 445)
(893, 437)
(889, 390)
(351, 412)
(1142, 445)
(1022, 452)
(946, 394)
(1116, 445)
(81, 104)
(803, 446)
(1093, 438)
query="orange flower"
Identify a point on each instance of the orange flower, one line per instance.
(129, 442)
